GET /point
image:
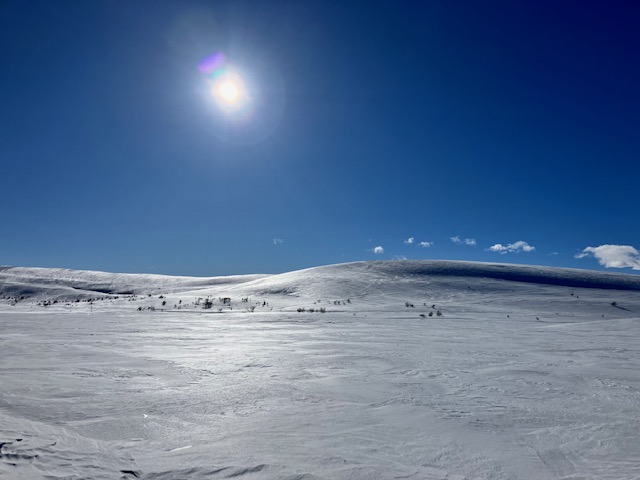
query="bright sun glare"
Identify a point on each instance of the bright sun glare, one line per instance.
(230, 93)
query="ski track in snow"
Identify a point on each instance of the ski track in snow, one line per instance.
(527, 379)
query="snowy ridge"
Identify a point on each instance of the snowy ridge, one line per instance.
(70, 284)
(363, 278)
(567, 277)
(358, 278)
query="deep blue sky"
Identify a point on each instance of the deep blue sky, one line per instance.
(498, 121)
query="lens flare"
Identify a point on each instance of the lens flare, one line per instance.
(227, 86)
(211, 63)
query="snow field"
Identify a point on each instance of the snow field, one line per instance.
(517, 380)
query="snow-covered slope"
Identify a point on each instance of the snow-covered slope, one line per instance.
(349, 279)
(60, 283)
(359, 278)
(377, 370)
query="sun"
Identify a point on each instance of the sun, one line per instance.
(230, 92)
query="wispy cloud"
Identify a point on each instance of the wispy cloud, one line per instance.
(409, 241)
(517, 247)
(399, 257)
(278, 241)
(614, 256)
(464, 241)
(425, 244)
(378, 249)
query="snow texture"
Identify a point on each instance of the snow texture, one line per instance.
(412, 369)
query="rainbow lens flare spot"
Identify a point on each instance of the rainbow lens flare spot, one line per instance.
(227, 86)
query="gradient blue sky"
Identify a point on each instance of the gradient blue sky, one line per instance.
(374, 122)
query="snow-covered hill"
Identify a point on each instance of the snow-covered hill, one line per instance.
(64, 284)
(407, 369)
(350, 279)
(360, 278)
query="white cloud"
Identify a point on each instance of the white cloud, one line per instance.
(517, 247)
(278, 241)
(409, 240)
(378, 249)
(614, 256)
(399, 257)
(464, 241)
(425, 244)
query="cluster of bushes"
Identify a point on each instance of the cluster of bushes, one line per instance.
(341, 302)
(225, 302)
(46, 303)
(433, 311)
(14, 300)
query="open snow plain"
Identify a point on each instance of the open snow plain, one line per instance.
(530, 373)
